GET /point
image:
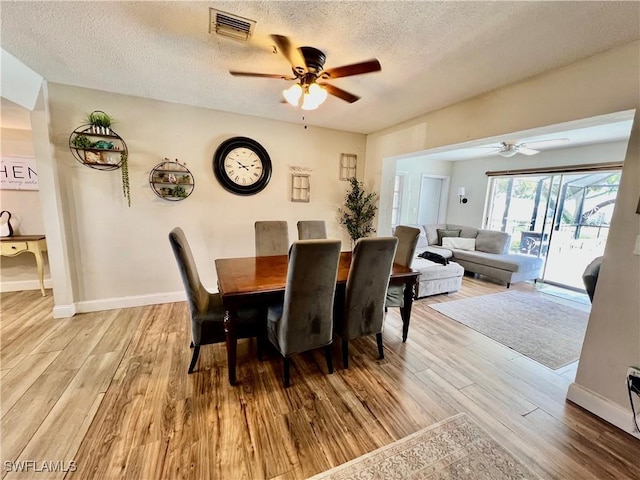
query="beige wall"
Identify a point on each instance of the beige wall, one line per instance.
(123, 253)
(600, 85)
(19, 273)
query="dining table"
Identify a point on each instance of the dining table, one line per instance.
(260, 281)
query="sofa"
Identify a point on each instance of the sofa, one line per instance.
(479, 251)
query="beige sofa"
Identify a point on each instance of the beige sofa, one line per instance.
(486, 255)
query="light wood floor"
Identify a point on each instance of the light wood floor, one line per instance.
(109, 391)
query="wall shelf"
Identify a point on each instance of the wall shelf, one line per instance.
(109, 158)
(171, 181)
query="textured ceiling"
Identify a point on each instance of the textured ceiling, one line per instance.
(433, 54)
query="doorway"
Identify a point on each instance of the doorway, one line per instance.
(432, 205)
(563, 218)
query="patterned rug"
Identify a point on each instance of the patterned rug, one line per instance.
(453, 449)
(545, 330)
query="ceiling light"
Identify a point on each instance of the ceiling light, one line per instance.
(293, 94)
(313, 95)
(508, 151)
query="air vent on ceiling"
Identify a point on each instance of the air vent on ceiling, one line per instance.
(229, 25)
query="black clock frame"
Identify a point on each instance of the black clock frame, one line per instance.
(218, 165)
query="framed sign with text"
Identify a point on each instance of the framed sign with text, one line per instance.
(18, 173)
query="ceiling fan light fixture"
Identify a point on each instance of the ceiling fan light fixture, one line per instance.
(292, 94)
(508, 150)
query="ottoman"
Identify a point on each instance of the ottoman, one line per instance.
(436, 278)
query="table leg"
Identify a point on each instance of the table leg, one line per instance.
(232, 343)
(405, 312)
(40, 265)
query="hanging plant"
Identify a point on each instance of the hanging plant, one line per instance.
(359, 212)
(124, 165)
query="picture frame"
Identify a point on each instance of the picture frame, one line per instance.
(348, 166)
(300, 187)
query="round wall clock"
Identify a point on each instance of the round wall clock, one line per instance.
(242, 166)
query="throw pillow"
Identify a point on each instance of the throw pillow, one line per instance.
(459, 243)
(446, 233)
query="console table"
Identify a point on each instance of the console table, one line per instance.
(36, 244)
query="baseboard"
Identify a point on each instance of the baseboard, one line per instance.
(128, 302)
(603, 408)
(64, 311)
(20, 285)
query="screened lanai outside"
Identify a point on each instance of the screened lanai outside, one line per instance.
(563, 218)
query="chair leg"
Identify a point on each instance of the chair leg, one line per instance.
(508, 284)
(345, 353)
(380, 347)
(286, 363)
(327, 354)
(194, 357)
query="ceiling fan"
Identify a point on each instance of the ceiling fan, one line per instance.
(307, 65)
(509, 149)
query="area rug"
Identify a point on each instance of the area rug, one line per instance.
(456, 448)
(547, 331)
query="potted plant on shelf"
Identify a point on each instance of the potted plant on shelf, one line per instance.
(359, 211)
(100, 122)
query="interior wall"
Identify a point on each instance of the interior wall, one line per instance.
(124, 252)
(19, 273)
(599, 85)
(472, 175)
(413, 169)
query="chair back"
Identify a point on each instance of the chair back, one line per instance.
(366, 289)
(311, 229)
(272, 238)
(590, 276)
(407, 242)
(307, 314)
(197, 295)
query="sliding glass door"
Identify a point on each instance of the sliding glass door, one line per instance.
(563, 218)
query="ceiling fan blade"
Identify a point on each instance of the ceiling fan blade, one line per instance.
(545, 143)
(527, 151)
(262, 75)
(353, 69)
(291, 53)
(338, 92)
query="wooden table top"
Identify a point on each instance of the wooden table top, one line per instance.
(22, 238)
(258, 275)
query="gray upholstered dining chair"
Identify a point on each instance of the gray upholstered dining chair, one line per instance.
(365, 292)
(272, 238)
(407, 242)
(311, 229)
(304, 321)
(205, 308)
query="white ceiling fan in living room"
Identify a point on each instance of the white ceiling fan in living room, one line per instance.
(509, 149)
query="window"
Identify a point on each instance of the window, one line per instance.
(397, 200)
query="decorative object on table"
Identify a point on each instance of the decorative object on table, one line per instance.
(547, 331)
(171, 180)
(359, 212)
(300, 187)
(348, 166)
(242, 166)
(454, 448)
(6, 230)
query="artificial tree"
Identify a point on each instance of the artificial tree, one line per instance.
(359, 211)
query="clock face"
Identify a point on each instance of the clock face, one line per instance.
(242, 166)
